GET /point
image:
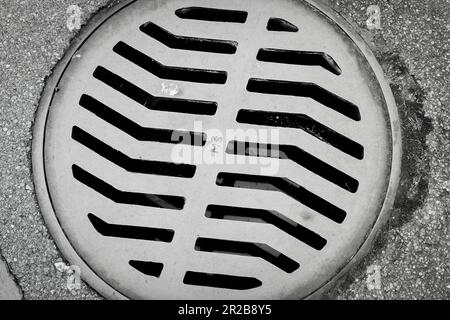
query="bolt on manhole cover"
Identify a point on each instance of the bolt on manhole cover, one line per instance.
(221, 149)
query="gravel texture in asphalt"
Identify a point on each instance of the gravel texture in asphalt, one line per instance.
(411, 257)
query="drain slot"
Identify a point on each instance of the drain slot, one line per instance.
(125, 197)
(272, 217)
(306, 58)
(278, 24)
(129, 164)
(305, 89)
(130, 232)
(305, 123)
(220, 281)
(148, 268)
(212, 14)
(188, 43)
(154, 103)
(168, 72)
(138, 132)
(299, 156)
(286, 186)
(259, 250)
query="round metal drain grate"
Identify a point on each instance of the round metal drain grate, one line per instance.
(219, 149)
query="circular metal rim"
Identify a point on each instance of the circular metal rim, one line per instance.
(38, 166)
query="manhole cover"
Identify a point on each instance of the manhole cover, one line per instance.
(247, 149)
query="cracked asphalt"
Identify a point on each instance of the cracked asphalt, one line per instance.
(410, 259)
